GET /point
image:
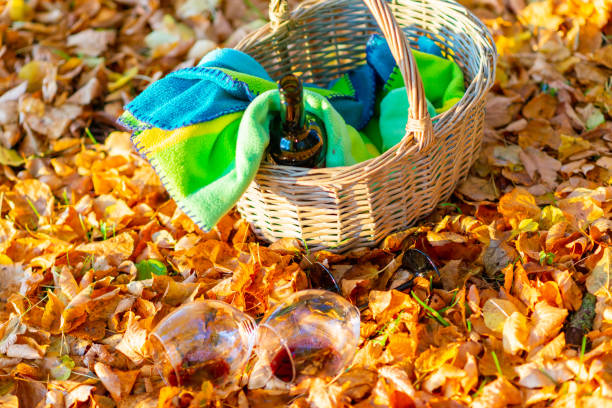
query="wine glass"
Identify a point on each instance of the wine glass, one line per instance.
(205, 340)
(313, 333)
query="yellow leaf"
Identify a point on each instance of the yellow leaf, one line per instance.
(571, 145)
(495, 312)
(435, 358)
(19, 10)
(598, 281)
(515, 333)
(511, 45)
(550, 215)
(528, 225)
(34, 73)
(123, 79)
(51, 317)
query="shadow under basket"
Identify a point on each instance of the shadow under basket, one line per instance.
(346, 207)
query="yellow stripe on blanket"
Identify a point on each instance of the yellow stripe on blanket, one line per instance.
(154, 140)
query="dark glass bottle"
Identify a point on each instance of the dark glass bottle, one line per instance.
(297, 138)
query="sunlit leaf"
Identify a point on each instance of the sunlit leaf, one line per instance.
(550, 216)
(496, 311)
(10, 157)
(515, 333)
(546, 322)
(598, 281)
(518, 205)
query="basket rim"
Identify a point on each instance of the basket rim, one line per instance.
(482, 82)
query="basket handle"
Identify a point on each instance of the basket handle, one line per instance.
(419, 123)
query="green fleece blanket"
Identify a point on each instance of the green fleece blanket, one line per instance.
(205, 129)
(231, 162)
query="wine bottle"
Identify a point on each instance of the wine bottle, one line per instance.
(297, 138)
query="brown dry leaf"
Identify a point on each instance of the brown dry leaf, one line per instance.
(542, 106)
(74, 313)
(549, 351)
(357, 382)
(505, 156)
(478, 189)
(111, 252)
(523, 288)
(401, 347)
(66, 73)
(452, 275)
(324, 395)
(498, 114)
(11, 275)
(473, 299)
(532, 375)
(67, 284)
(546, 322)
(570, 292)
(174, 293)
(77, 393)
(25, 351)
(132, 344)
(118, 383)
(51, 318)
(399, 379)
(87, 93)
(91, 42)
(443, 376)
(498, 394)
(581, 210)
(11, 328)
(55, 121)
(32, 203)
(546, 166)
(603, 56)
(387, 394)
(497, 256)
(538, 133)
(7, 233)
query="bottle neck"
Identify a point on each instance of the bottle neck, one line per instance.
(293, 114)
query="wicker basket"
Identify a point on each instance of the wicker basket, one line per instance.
(344, 207)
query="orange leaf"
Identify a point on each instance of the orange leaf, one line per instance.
(546, 323)
(518, 205)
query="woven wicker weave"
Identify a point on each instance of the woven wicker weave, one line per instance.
(344, 207)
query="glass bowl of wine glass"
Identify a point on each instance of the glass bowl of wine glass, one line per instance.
(311, 334)
(205, 340)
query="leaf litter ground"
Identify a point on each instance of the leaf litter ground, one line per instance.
(93, 252)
